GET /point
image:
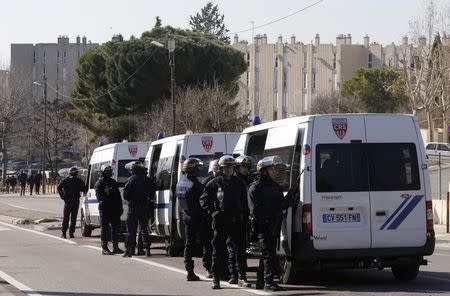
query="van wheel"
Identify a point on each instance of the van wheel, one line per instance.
(405, 273)
(86, 230)
(287, 275)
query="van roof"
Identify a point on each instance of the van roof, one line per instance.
(180, 137)
(114, 145)
(306, 118)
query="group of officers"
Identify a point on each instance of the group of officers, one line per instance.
(223, 209)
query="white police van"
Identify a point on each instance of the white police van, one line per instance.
(364, 191)
(117, 155)
(164, 162)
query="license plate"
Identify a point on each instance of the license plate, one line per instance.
(341, 218)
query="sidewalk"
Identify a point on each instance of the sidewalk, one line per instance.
(441, 236)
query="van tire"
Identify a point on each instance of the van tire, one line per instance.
(86, 230)
(405, 273)
(173, 249)
(288, 267)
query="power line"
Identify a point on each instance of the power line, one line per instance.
(279, 19)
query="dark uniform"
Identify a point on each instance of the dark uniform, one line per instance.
(69, 190)
(138, 192)
(207, 179)
(110, 209)
(266, 202)
(37, 181)
(188, 192)
(225, 216)
(22, 178)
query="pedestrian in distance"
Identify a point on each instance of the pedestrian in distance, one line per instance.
(30, 181)
(69, 190)
(138, 191)
(8, 183)
(13, 184)
(22, 178)
(266, 203)
(213, 171)
(110, 209)
(223, 200)
(37, 182)
(188, 192)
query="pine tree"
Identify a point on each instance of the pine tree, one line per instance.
(210, 21)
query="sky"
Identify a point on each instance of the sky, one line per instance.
(30, 21)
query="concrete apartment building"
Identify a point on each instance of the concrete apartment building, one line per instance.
(57, 61)
(284, 79)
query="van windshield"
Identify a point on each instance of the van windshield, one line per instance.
(366, 167)
(122, 173)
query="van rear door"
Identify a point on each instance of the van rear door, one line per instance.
(397, 191)
(340, 196)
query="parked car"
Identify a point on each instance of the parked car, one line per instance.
(435, 148)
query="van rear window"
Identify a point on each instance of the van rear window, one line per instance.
(366, 167)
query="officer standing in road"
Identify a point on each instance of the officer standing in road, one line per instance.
(69, 190)
(188, 192)
(243, 167)
(266, 202)
(22, 178)
(138, 191)
(110, 209)
(223, 200)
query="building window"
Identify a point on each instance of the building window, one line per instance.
(284, 80)
(248, 59)
(334, 61)
(314, 81)
(275, 80)
(64, 61)
(276, 62)
(370, 61)
(34, 57)
(305, 59)
(305, 81)
(275, 101)
(305, 102)
(285, 99)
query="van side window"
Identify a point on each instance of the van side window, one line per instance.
(163, 173)
(256, 143)
(176, 165)
(122, 173)
(393, 167)
(154, 160)
(297, 156)
(341, 168)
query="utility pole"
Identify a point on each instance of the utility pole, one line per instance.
(171, 48)
(3, 151)
(44, 142)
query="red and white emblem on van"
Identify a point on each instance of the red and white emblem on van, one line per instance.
(207, 143)
(133, 149)
(339, 126)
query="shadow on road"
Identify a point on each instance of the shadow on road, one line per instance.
(53, 293)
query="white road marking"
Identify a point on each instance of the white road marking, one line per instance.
(40, 233)
(12, 281)
(182, 271)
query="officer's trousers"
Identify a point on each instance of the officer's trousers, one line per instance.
(232, 259)
(70, 211)
(133, 220)
(221, 234)
(267, 244)
(197, 226)
(110, 225)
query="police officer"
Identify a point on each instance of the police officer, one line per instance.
(243, 166)
(223, 200)
(69, 190)
(138, 192)
(213, 171)
(110, 209)
(188, 192)
(266, 202)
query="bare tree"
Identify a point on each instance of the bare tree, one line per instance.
(335, 103)
(14, 95)
(202, 109)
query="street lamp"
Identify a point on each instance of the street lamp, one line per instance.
(171, 48)
(45, 127)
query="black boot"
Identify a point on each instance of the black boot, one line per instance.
(116, 249)
(233, 280)
(148, 252)
(259, 284)
(140, 252)
(192, 277)
(271, 286)
(244, 283)
(63, 235)
(127, 253)
(216, 284)
(106, 251)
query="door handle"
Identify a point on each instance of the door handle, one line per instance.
(380, 213)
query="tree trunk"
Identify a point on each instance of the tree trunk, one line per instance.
(4, 164)
(430, 131)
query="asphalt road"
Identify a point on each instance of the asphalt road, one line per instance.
(51, 205)
(43, 264)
